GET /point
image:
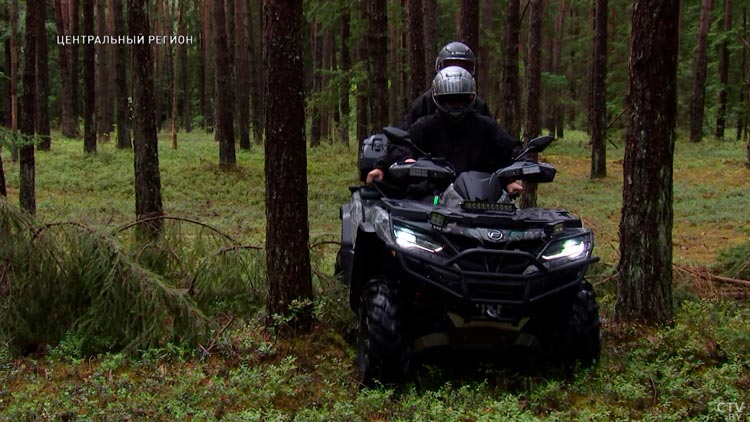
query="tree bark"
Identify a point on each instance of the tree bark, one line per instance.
(416, 48)
(533, 125)
(742, 114)
(395, 28)
(724, 72)
(187, 114)
(148, 201)
(469, 23)
(89, 74)
(377, 46)
(67, 115)
(430, 38)
(42, 80)
(121, 84)
(255, 77)
(74, 28)
(645, 268)
(699, 73)
(224, 119)
(510, 102)
(103, 105)
(287, 231)
(14, 74)
(316, 47)
(558, 94)
(27, 194)
(207, 69)
(364, 86)
(483, 59)
(598, 113)
(346, 67)
(242, 66)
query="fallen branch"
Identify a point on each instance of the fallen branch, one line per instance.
(216, 337)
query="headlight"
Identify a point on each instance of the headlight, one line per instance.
(409, 239)
(569, 248)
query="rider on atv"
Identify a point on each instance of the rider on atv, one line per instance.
(468, 140)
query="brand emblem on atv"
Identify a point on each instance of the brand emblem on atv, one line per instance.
(495, 235)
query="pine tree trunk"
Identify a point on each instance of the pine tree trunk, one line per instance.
(254, 76)
(89, 74)
(533, 125)
(121, 84)
(327, 65)
(224, 119)
(5, 106)
(469, 24)
(395, 27)
(416, 48)
(187, 114)
(364, 87)
(287, 231)
(429, 19)
(103, 114)
(699, 74)
(598, 113)
(207, 67)
(316, 48)
(557, 95)
(377, 70)
(42, 80)
(724, 72)
(742, 114)
(67, 120)
(148, 201)
(645, 267)
(510, 103)
(346, 67)
(483, 59)
(242, 66)
(27, 194)
(74, 28)
(14, 74)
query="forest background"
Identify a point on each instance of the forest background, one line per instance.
(234, 367)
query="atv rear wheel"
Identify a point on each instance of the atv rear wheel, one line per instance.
(383, 349)
(579, 339)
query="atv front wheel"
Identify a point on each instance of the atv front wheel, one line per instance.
(382, 347)
(579, 339)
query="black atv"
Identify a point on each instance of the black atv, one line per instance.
(434, 259)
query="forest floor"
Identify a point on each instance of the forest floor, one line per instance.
(698, 368)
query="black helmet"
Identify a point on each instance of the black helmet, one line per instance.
(454, 91)
(456, 54)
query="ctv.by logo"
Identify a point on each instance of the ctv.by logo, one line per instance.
(731, 410)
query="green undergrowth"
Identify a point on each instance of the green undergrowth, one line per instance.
(191, 305)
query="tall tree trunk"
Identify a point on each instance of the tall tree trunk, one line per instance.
(741, 115)
(645, 268)
(483, 59)
(89, 74)
(469, 23)
(74, 28)
(5, 106)
(365, 86)
(67, 118)
(287, 231)
(724, 71)
(27, 194)
(207, 68)
(430, 38)
(254, 76)
(224, 119)
(598, 113)
(326, 107)
(148, 202)
(699, 73)
(416, 48)
(42, 80)
(103, 113)
(14, 74)
(557, 69)
(242, 66)
(346, 67)
(377, 46)
(510, 114)
(533, 125)
(187, 114)
(121, 83)
(395, 27)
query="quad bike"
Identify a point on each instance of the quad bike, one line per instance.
(434, 259)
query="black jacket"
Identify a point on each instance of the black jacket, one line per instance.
(424, 106)
(474, 143)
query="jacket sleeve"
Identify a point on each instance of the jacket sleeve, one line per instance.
(394, 153)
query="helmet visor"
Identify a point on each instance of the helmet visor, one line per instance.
(455, 104)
